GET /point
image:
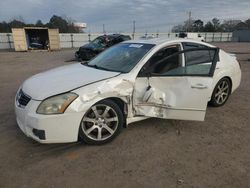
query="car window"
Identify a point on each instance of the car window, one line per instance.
(118, 40)
(125, 37)
(99, 41)
(162, 62)
(198, 56)
(121, 57)
(191, 45)
(197, 62)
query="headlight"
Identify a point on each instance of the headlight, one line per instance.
(57, 104)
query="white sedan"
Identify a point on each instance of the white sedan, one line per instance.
(128, 82)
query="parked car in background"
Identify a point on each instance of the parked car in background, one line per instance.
(194, 36)
(90, 50)
(131, 81)
(147, 37)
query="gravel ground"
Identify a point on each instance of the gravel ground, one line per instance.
(150, 153)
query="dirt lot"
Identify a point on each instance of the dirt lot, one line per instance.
(151, 153)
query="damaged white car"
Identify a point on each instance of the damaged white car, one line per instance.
(128, 82)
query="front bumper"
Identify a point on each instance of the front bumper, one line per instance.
(85, 54)
(61, 128)
(77, 55)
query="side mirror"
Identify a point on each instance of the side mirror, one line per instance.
(147, 74)
(144, 73)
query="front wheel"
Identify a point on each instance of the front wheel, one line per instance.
(101, 123)
(221, 92)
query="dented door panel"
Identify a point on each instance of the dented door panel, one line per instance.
(172, 97)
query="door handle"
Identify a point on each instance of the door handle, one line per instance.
(199, 86)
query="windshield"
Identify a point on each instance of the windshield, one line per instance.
(99, 41)
(121, 57)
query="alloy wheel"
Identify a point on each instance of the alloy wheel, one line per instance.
(222, 92)
(100, 122)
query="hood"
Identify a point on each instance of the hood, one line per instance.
(63, 79)
(88, 46)
(91, 46)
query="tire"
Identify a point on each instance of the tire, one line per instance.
(101, 123)
(221, 92)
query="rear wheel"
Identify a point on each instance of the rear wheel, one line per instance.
(101, 123)
(221, 92)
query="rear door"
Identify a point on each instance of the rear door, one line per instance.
(177, 86)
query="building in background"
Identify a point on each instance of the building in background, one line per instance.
(80, 25)
(35, 38)
(241, 35)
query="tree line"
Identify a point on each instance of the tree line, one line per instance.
(65, 25)
(215, 25)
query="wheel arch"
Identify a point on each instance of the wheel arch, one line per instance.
(214, 87)
(218, 77)
(122, 105)
(231, 82)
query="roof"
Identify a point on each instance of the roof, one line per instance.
(158, 41)
(112, 35)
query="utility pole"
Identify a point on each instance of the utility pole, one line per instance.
(133, 30)
(103, 28)
(189, 21)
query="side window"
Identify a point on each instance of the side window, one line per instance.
(196, 56)
(163, 61)
(119, 39)
(125, 37)
(190, 45)
(198, 62)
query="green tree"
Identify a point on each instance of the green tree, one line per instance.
(209, 27)
(178, 28)
(216, 24)
(58, 22)
(229, 25)
(241, 25)
(247, 22)
(4, 27)
(39, 23)
(198, 26)
(16, 24)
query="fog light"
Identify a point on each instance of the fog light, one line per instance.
(39, 133)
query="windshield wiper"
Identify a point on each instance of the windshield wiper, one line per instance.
(100, 68)
(95, 66)
(84, 62)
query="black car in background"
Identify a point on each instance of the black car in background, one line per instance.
(90, 50)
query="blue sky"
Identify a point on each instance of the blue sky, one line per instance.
(117, 15)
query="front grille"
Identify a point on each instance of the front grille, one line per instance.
(86, 54)
(22, 98)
